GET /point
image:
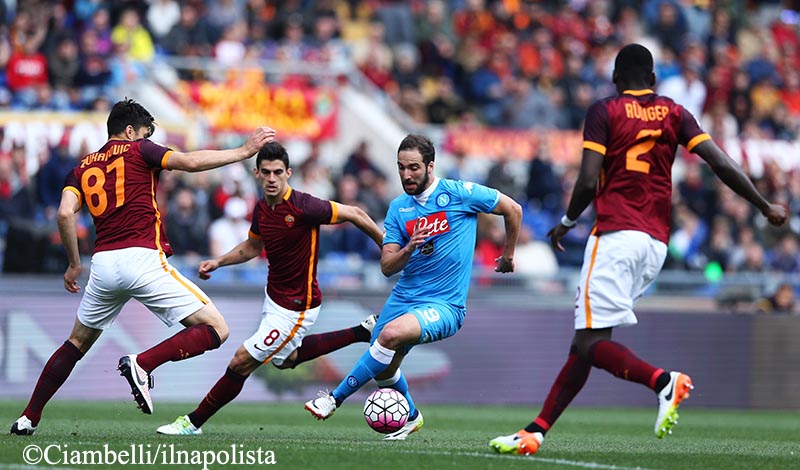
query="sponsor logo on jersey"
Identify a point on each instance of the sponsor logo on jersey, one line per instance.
(289, 220)
(443, 200)
(406, 209)
(468, 186)
(437, 223)
(427, 248)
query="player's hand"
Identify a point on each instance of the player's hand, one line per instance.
(206, 268)
(418, 237)
(71, 279)
(260, 137)
(504, 265)
(556, 234)
(776, 214)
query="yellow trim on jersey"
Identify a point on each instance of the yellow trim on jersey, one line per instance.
(287, 193)
(334, 211)
(638, 92)
(283, 344)
(311, 260)
(250, 234)
(586, 288)
(601, 149)
(697, 140)
(75, 190)
(164, 159)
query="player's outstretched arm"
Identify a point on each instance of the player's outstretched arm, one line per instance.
(201, 160)
(512, 218)
(67, 222)
(360, 219)
(242, 252)
(732, 175)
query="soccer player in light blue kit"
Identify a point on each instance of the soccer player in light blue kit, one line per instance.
(430, 237)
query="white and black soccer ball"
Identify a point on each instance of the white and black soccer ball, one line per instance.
(386, 410)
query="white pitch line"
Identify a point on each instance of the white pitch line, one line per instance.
(571, 463)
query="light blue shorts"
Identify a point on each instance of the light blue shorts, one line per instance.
(439, 320)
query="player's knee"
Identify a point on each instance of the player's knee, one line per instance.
(392, 337)
(222, 331)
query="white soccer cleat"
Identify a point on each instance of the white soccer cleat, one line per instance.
(140, 381)
(411, 426)
(180, 427)
(23, 427)
(669, 398)
(521, 442)
(323, 406)
(369, 322)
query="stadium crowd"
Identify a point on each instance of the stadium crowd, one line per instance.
(507, 64)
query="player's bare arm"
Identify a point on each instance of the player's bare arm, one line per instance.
(67, 221)
(582, 195)
(201, 160)
(394, 257)
(360, 219)
(244, 251)
(512, 218)
(732, 175)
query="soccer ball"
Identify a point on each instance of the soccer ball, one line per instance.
(386, 410)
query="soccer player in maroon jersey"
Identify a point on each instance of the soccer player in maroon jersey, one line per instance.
(118, 183)
(630, 141)
(286, 223)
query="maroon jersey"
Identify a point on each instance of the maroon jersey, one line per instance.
(118, 184)
(290, 233)
(638, 133)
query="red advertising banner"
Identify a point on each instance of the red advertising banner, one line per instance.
(240, 105)
(563, 146)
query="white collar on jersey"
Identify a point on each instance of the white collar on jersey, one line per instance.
(422, 198)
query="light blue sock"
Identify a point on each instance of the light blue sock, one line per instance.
(374, 361)
(398, 382)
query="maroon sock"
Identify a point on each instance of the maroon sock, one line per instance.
(569, 382)
(623, 363)
(225, 390)
(189, 342)
(53, 376)
(318, 345)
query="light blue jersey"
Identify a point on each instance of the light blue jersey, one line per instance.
(440, 268)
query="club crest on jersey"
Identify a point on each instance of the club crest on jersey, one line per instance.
(437, 223)
(443, 200)
(427, 248)
(289, 220)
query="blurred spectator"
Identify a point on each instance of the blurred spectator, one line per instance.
(397, 19)
(162, 15)
(534, 257)
(230, 229)
(64, 64)
(446, 105)
(543, 189)
(187, 226)
(501, 177)
(687, 88)
(231, 50)
(781, 302)
(189, 37)
(786, 257)
(131, 32)
(359, 163)
(51, 177)
(222, 14)
(26, 69)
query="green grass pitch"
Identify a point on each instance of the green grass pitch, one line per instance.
(453, 437)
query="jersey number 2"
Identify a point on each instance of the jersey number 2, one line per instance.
(96, 198)
(632, 162)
